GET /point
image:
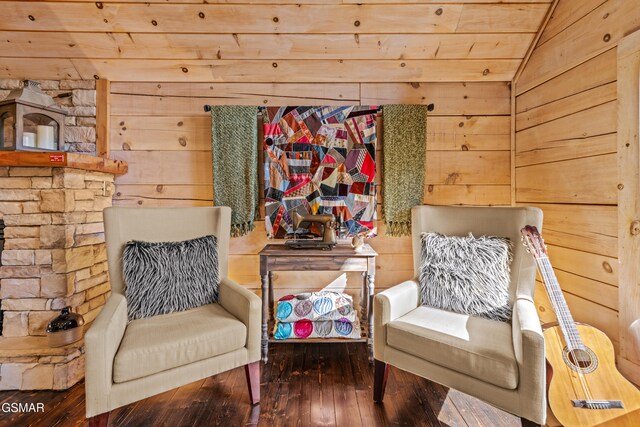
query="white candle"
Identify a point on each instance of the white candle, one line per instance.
(45, 137)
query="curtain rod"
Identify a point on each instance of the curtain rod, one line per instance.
(430, 107)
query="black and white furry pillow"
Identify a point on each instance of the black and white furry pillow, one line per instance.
(165, 277)
(468, 275)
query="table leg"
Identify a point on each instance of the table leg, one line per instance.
(364, 295)
(371, 286)
(265, 317)
(271, 299)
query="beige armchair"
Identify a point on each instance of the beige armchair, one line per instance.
(500, 363)
(130, 361)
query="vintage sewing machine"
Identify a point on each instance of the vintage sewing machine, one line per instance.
(327, 224)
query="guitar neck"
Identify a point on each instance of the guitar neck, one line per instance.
(559, 304)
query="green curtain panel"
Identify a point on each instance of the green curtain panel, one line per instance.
(404, 133)
(234, 140)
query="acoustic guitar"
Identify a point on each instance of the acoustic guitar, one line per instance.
(584, 386)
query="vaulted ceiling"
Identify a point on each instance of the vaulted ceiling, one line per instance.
(258, 41)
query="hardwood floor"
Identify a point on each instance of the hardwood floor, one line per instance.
(302, 385)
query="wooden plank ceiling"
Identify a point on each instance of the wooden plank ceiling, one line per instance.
(258, 41)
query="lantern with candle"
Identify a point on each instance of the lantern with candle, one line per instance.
(30, 120)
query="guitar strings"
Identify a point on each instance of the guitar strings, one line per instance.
(576, 387)
(548, 275)
(549, 278)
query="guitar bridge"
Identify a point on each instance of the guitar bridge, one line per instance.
(597, 404)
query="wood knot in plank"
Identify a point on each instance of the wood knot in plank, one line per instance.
(452, 178)
(635, 228)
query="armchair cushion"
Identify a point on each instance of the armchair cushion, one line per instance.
(166, 277)
(474, 346)
(159, 343)
(468, 275)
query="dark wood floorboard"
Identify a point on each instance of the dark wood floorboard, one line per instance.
(301, 385)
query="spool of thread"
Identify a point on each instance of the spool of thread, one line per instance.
(45, 137)
(29, 139)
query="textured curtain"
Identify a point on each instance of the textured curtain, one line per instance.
(404, 143)
(234, 140)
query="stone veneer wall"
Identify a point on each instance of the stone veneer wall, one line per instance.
(78, 99)
(54, 256)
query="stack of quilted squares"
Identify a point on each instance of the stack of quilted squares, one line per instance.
(322, 314)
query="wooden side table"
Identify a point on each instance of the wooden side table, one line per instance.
(278, 257)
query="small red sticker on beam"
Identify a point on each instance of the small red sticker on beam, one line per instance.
(56, 158)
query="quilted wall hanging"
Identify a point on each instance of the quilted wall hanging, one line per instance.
(320, 160)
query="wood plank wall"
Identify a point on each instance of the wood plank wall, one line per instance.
(565, 152)
(629, 203)
(287, 52)
(259, 41)
(161, 130)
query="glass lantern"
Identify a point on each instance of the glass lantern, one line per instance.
(30, 120)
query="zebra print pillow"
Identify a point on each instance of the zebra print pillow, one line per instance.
(165, 277)
(468, 275)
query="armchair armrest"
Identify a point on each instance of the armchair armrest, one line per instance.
(247, 307)
(528, 342)
(101, 342)
(527, 332)
(389, 305)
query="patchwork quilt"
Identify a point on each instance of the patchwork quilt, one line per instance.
(320, 160)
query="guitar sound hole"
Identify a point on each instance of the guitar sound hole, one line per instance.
(583, 361)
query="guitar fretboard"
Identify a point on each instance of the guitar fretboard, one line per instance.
(565, 320)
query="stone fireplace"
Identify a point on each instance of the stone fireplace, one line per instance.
(54, 256)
